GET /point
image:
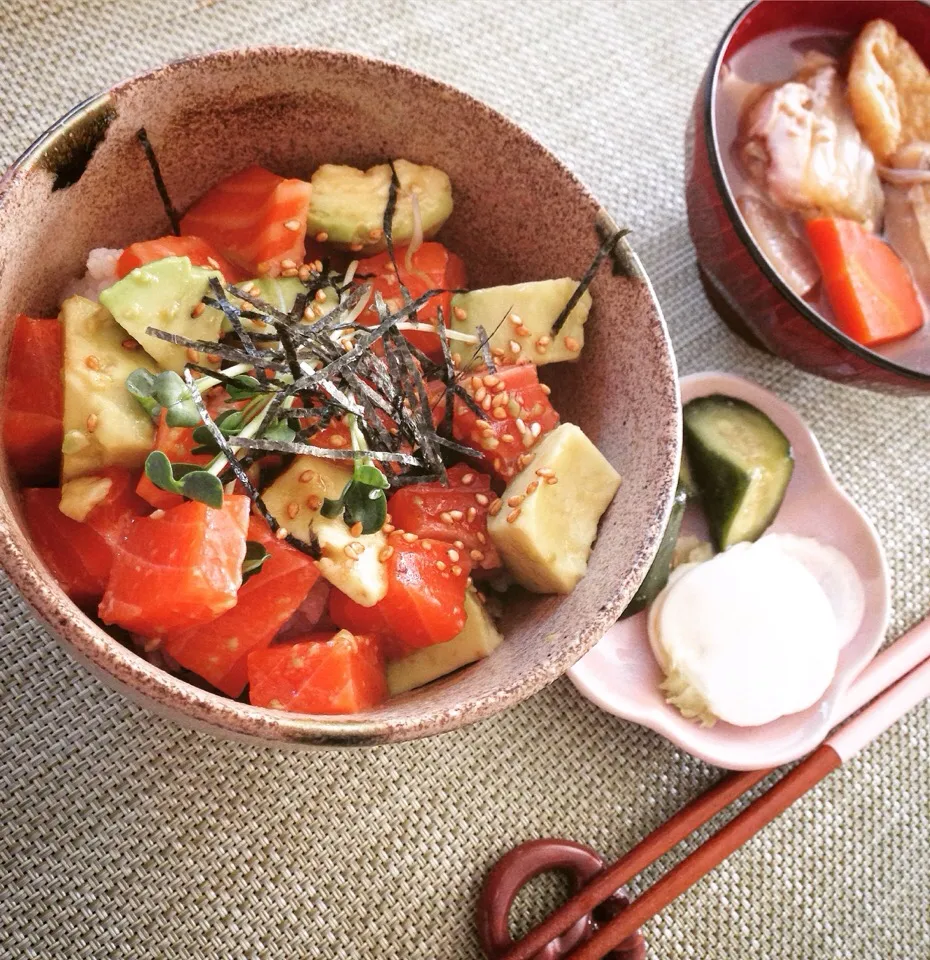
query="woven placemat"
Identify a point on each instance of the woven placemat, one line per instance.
(125, 836)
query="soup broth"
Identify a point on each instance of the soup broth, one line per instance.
(763, 63)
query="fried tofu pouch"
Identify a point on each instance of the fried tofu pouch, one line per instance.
(889, 90)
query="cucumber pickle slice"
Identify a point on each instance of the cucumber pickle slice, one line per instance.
(657, 576)
(740, 463)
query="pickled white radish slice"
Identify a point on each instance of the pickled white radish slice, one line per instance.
(836, 575)
(755, 633)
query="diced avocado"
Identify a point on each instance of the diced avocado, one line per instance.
(300, 491)
(657, 575)
(530, 309)
(478, 638)
(546, 539)
(281, 292)
(103, 423)
(741, 464)
(347, 204)
(162, 294)
(81, 495)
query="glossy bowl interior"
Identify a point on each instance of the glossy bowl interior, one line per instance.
(519, 215)
(739, 279)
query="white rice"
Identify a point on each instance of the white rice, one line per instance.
(100, 274)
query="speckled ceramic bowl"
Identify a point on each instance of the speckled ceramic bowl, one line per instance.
(519, 215)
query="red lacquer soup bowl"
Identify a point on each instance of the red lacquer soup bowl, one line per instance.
(740, 281)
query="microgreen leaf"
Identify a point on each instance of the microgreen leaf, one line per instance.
(141, 384)
(280, 430)
(366, 505)
(203, 487)
(172, 393)
(359, 503)
(255, 556)
(185, 479)
(166, 390)
(183, 414)
(362, 499)
(370, 476)
(158, 470)
(332, 508)
(230, 423)
(243, 387)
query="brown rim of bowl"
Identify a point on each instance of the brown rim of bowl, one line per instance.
(742, 231)
(132, 673)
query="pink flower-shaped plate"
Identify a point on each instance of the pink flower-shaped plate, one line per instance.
(622, 677)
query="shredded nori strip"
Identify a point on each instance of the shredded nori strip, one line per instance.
(361, 346)
(484, 345)
(170, 210)
(387, 221)
(262, 306)
(311, 548)
(330, 453)
(420, 420)
(429, 366)
(344, 308)
(470, 402)
(448, 374)
(390, 208)
(339, 397)
(407, 479)
(455, 446)
(290, 353)
(223, 350)
(448, 367)
(231, 312)
(606, 247)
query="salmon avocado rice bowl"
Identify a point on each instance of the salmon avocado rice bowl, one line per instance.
(286, 453)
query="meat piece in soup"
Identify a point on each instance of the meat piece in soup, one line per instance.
(799, 143)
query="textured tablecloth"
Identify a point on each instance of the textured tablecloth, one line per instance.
(125, 836)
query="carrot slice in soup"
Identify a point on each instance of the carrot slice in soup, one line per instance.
(178, 568)
(343, 674)
(867, 284)
(32, 400)
(218, 651)
(255, 218)
(197, 250)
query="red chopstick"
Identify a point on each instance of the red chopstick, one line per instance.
(902, 672)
